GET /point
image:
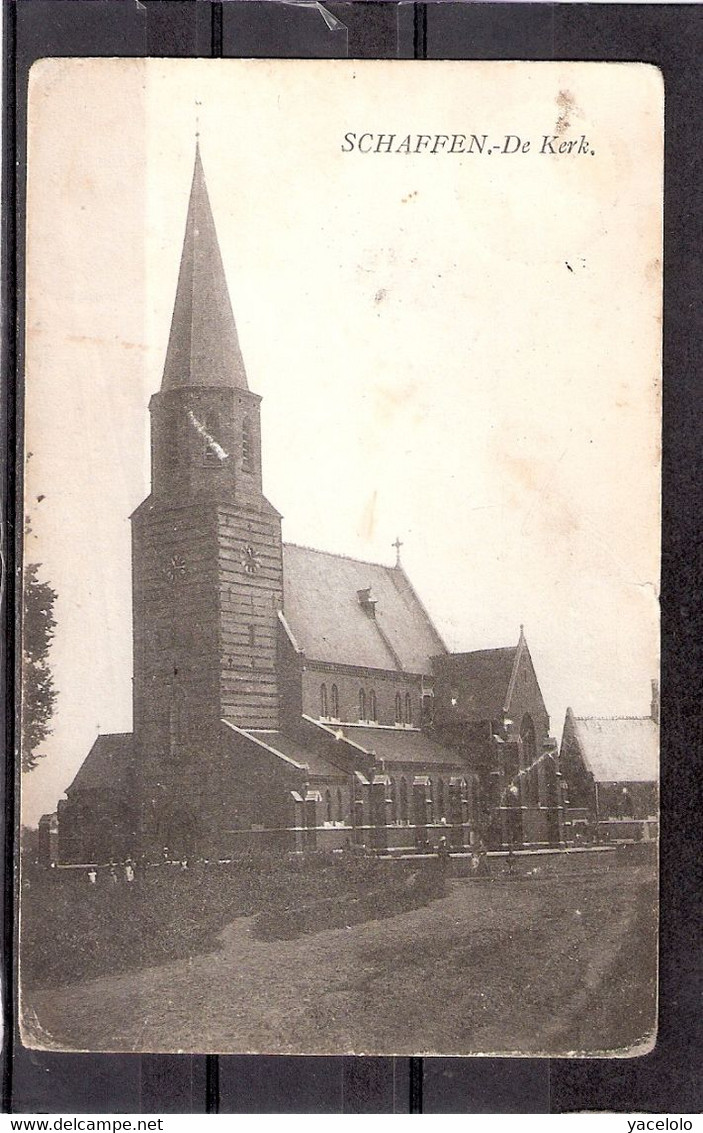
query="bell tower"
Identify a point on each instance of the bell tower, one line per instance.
(206, 543)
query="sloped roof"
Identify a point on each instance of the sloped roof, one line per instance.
(621, 749)
(401, 745)
(482, 681)
(292, 749)
(203, 346)
(105, 765)
(322, 607)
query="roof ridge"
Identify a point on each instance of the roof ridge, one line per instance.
(475, 652)
(611, 718)
(338, 555)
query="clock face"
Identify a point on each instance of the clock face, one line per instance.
(250, 560)
(175, 568)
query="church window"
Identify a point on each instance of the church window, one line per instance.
(403, 800)
(328, 806)
(373, 714)
(408, 709)
(394, 801)
(441, 810)
(529, 760)
(335, 702)
(362, 704)
(247, 445)
(323, 701)
(398, 709)
(340, 808)
(211, 450)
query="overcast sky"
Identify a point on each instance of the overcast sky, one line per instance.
(462, 350)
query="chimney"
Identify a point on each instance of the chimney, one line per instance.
(655, 702)
(366, 602)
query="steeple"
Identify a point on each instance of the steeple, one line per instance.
(203, 347)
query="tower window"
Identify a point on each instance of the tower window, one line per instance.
(340, 808)
(212, 452)
(362, 704)
(247, 445)
(398, 709)
(328, 806)
(373, 715)
(323, 702)
(335, 702)
(408, 709)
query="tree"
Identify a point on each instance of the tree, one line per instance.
(38, 693)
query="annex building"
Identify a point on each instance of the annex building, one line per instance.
(286, 698)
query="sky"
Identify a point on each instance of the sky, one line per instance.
(459, 350)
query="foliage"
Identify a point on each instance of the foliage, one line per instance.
(38, 693)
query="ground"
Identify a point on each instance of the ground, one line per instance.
(535, 964)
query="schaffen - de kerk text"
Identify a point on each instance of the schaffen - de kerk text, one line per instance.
(473, 144)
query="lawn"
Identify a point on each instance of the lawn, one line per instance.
(556, 964)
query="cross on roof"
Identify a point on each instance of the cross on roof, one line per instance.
(397, 546)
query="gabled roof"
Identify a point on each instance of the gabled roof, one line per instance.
(620, 749)
(286, 748)
(105, 765)
(400, 745)
(203, 347)
(483, 681)
(330, 623)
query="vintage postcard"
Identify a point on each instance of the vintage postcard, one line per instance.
(341, 566)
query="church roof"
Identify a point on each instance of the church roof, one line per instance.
(619, 749)
(483, 680)
(289, 747)
(331, 621)
(106, 763)
(203, 347)
(400, 745)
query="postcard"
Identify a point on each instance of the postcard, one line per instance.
(341, 472)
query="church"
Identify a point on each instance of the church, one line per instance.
(287, 699)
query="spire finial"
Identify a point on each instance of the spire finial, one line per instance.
(397, 546)
(198, 104)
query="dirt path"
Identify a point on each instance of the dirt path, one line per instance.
(494, 966)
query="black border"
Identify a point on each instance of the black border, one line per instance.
(671, 37)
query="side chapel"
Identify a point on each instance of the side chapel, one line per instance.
(287, 698)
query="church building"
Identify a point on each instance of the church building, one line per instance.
(287, 699)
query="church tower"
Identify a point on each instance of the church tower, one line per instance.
(206, 544)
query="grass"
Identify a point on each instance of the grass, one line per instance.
(557, 965)
(71, 930)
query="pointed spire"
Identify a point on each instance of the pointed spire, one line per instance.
(203, 347)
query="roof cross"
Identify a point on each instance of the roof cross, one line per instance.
(397, 546)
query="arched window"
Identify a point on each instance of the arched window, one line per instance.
(323, 701)
(441, 810)
(372, 705)
(529, 760)
(362, 704)
(328, 806)
(335, 702)
(340, 807)
(247, 444)
(403, 800)
(211, 450)
(394, 801)
(408, 709)
(398, 709)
